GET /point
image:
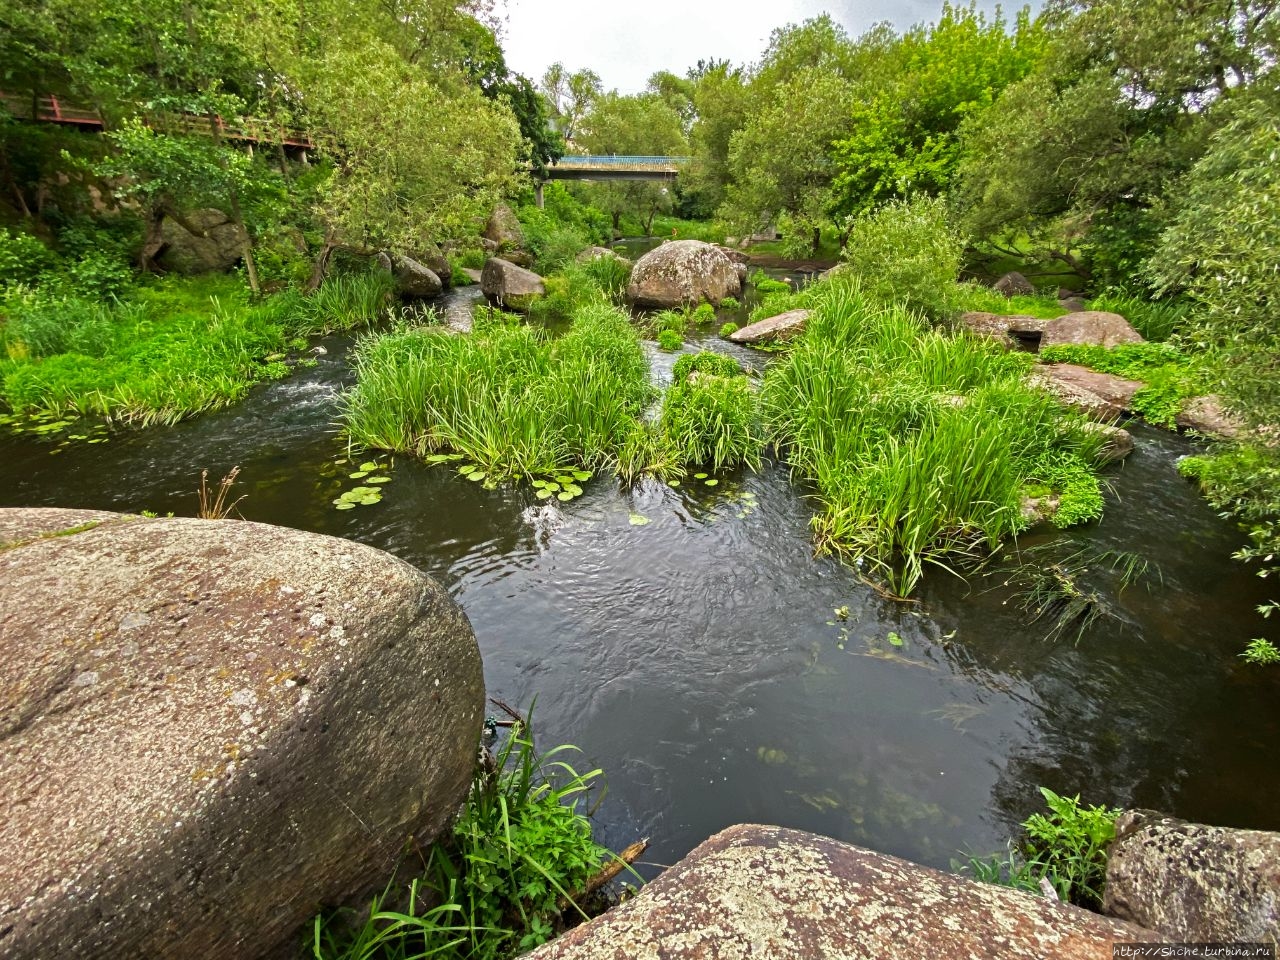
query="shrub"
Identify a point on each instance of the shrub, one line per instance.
(670, 340)
(728, 328)
(904, 252)
(23, 258)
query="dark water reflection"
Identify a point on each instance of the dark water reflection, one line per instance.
(694, 656)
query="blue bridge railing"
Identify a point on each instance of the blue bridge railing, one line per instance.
(619, 162)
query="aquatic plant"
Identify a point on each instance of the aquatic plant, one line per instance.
(711, 420)
(509, 401)
(670, 340)
(765, 284)
(713, 364)
(728, 328)
(920, 443)
(729, 303)
(1261, 651)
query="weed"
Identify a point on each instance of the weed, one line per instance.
(730, 303)
(713, 364)
(1261, 651)
(215, 506)
(670, 340)
(711, 420)
(728, 328)
(1156, 320)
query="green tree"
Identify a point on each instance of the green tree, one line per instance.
(905, 125)
(721, 106)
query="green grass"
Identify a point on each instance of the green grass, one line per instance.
(1156, 320)
(598, 280)
(1170, 376)
(500, 884)
(166, 350)
(507, 399)
(920, 444)
(979, 297)
(711, 420)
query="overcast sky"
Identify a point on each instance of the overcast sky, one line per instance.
(624, 42)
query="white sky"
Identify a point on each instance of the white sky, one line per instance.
(624, 42)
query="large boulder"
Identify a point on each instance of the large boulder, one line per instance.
(1089, 328)
(216, 246)
(504, 230)
(1194, 883)
(782, 327)
(509, 286)
(683, 272)
(753, 891)
(212, 728)
(1007, 330)
(1013, 284)
(413, 280)
(433, 258)
(1102, 396)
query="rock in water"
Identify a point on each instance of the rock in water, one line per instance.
(782, 327)
(212, 728)
(1089, 328)
(219, 249)
(1103, 396)
(683, 272)
(1194, 883)
(509, 286)
(766, 892)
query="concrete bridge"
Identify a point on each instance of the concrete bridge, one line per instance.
(612, 167)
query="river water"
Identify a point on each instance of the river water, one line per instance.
(698, 659)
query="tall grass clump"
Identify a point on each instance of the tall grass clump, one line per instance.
(509, 877)
(1156, 320)
(709, 415)
(344, 301)
(508, 399)
(921, 444)
(601, 280)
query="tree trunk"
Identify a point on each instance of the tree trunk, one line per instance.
(321, 266)
(817, 240)
(648, 224)
(617, 218)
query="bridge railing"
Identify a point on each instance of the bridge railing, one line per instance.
(578, 161)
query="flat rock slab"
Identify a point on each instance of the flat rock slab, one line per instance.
(1103, 396)
(1209, 416)
(766, 892)
(212, 728)
(782, 327)
(1194, 883)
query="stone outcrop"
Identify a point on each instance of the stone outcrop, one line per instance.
(1117, 442)
(211, 728)
(509, 286)
(782, 327)
(1089, 328)
(1013, 284)
(1194, 883)
(1011, 331)
(1102, 396)
(218, 244)
(1208, 416)
(683, 272)
(504, 230)
(413, 280)
(433, 258)
(767, 892)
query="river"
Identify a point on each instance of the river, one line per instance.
(697, 657)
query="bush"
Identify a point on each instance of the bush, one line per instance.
(904, 252)
(23, 258)
(704, 313)
(728, 328)
(670, 340)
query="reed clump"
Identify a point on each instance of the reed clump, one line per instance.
(921, 444)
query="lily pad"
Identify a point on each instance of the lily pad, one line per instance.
(368, 466)
(699, 476)
(711, 483)
(573, 489)
(543, 494)
(639, 520)
(564, 496)
(359, 474)
(476, 475)
(673, 483)
(582, 476)
(344, 506)
(894, 639)
(379, 479)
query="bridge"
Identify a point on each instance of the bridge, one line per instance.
(249, 130)
(574, 167)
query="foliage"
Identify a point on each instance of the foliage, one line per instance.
(599, 280)
(670, 340)
(23, 258)
(728, 328)
(1261, 652)
(1244, 483)
(1220, 250)
(1156, 320)
(1071, 842)
(520, 845)
(904, 138)
(505, 399)
(1169, 375)
(1066, 847)
(946, 435)
(980, 297)
(711, 420)
(905, 252)
(730, 303)
(706, 362)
